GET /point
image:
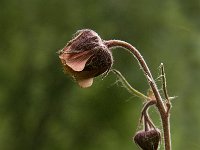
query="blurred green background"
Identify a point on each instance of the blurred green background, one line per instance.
(43, 109)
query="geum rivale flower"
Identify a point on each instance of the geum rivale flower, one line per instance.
(85, 57)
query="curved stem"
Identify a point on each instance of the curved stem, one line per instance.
(145, 68)
(145, 115)
(160, 105)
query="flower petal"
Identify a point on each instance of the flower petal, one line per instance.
(75, 61)
(84, 83)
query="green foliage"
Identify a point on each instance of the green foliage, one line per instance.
(42, 109)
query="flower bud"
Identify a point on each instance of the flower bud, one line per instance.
(148, 140)
(85, 57)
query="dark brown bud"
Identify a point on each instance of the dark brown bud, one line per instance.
(85, 57)
(148, 140)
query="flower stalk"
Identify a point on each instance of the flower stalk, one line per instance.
(162, 108)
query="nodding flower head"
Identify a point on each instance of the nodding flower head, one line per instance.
(148, 140)
(85, 57)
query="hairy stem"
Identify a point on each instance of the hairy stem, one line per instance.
(128, 86)
(166, 130)
(164, 85)
(145, 114)
(160, 105)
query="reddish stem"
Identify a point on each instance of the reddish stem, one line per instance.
(164, 114)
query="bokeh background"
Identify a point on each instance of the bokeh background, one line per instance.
(41, 108)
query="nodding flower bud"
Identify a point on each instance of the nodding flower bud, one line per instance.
(148, 140)
(85, 57)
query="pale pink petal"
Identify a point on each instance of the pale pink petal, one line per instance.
(75, 61)
(85, 83)
(77, 65)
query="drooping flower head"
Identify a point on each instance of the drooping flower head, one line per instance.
(148, 140)
(85, 57)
